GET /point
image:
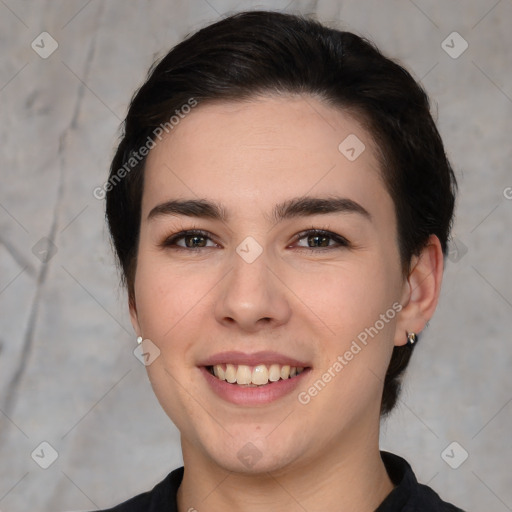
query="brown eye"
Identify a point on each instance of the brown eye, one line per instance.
(318, 238)
(192, 239)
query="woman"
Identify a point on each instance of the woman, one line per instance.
(280, 205)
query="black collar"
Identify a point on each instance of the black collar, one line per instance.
(407, 496)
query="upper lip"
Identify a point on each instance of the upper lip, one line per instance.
(264, 357)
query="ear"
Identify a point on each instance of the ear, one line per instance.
(421, 290)
(133, 315)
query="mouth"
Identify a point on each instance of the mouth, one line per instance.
(255, 379)
(242, 391)
(254, 376)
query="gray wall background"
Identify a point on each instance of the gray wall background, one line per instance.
(68, 375)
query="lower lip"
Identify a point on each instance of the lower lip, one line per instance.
(246, 395)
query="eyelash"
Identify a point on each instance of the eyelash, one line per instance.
(170, 242)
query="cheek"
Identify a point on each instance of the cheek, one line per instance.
(349, 298)
(169, 302)
(166, 295)
(357, 304)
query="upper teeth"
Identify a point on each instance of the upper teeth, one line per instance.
(255, 375)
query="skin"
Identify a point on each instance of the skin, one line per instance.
(308, 304)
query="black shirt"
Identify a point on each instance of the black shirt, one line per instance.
(407, 496)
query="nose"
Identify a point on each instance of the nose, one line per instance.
(252, 297)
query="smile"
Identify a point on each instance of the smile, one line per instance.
(253, 376)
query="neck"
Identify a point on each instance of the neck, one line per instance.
(340, 478)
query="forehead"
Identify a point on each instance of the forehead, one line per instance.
(256, 152)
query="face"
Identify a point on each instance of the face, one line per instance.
(290, 259)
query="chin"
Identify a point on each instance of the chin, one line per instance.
(254, 454)
(250, 460)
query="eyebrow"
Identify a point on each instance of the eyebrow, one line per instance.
(296, 207)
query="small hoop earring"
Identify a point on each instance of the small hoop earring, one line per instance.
(139, 340)
(411, 338)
